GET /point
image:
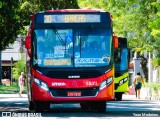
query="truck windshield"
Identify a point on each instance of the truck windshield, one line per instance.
(72, 47)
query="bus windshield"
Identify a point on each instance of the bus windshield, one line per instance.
(72, 47)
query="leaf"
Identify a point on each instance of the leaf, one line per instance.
(0, 4)
(17, 16)
(25, 4)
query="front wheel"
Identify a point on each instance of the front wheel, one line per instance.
(41, 106)
(118, 96)
(99, 106)
(31, 105)
(85, 106)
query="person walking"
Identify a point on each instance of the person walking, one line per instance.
(21, 83)
(138, 81)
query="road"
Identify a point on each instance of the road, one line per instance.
(130, 106)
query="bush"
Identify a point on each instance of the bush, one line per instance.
(18, 67)
(155, 86)
(14, 89)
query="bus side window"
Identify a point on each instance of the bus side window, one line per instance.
(124, 61)
(117, 55)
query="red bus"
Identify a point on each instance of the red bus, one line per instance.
(70, 58)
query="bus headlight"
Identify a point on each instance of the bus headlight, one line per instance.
(105, 83)
(41, 84)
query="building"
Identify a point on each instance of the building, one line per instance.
(9, 56)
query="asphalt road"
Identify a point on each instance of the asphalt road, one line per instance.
(129, 106)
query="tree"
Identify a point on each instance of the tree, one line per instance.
(15, 15)
(10, 24)
(19, 67)
(137, 20)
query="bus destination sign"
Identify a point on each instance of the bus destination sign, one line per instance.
(72, 18)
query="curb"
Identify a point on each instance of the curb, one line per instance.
(12, 95)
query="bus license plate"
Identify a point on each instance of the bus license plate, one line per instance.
(73, 94)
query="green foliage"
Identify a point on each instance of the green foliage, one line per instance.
(155, 86)
(156, 62)
(19, 67)
(14, 89)
(15, 16)
(10, 23)
(0, 4)
(137, 20)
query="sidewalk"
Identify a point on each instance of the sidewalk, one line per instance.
(132, 97)
(12, 96)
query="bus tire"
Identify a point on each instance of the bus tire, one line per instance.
(31, 105)
(118, 96)
(99, 106)
(41, 106)
(84, 106)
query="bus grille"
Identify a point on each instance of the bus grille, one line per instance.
(66, 74)
(84, 92)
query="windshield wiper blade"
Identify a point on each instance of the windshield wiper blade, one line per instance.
(82, 39)
(59, 36)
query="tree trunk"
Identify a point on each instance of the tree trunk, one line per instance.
(144, 67)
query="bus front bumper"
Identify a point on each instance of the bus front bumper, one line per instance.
(72, 95)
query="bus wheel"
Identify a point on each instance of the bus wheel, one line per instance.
(99, 106)
(41, 106)
(84, 106)
(31, 105)
(118, 96)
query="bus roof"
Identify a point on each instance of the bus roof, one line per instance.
(76, 10)
(82, 10)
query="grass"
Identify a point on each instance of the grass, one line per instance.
(14, 89)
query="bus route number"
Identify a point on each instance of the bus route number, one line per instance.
(91, 83)
(47, 19)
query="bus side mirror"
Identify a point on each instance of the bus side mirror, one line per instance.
(28, 42)
(115, 39)
(28, 45)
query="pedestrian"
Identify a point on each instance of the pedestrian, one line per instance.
(21, 83)
(138, 80)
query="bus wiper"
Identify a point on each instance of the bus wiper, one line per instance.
(59, 37)
(83, 39)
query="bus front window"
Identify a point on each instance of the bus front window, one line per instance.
(92, 48)
(53, 48)
(72, 47)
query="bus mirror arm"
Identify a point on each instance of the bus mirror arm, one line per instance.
(28, 44)
(115, 39)
(29, 52)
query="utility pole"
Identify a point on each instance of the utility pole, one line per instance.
(149, 69)
(11, 71)
(149, 76)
